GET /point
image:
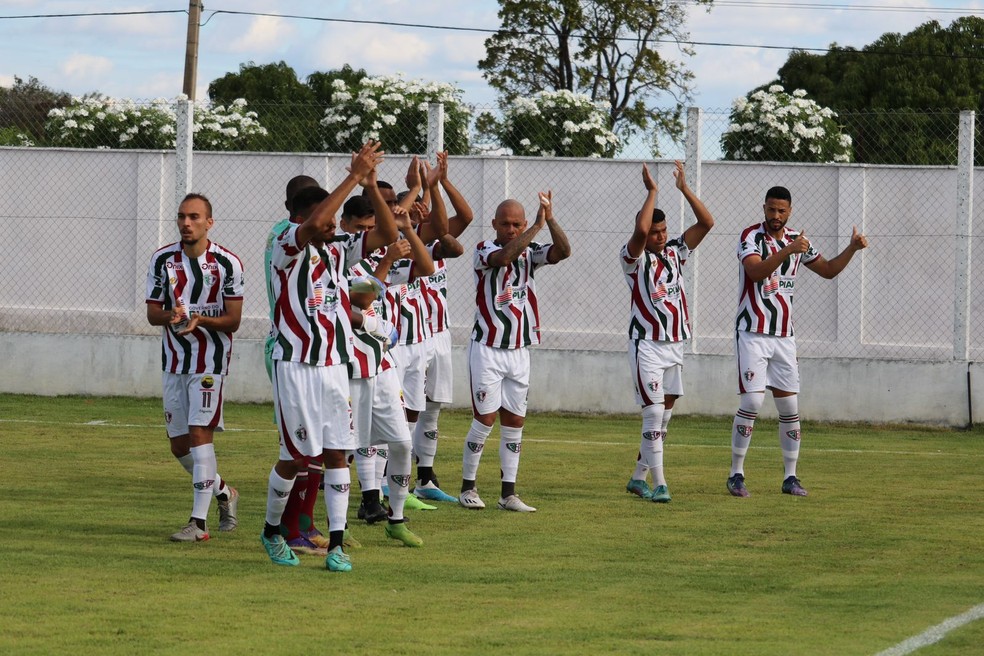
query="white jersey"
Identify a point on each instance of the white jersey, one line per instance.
(203, 285)
(767, 306)
(311, 317)
(659, 304)
(507, 313)
(413, 325)
(368, 357)
(436, 288)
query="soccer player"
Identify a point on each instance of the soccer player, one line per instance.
(298, 519)
(507, 321)
(438, 378)
(195, 293)
(377, 408)
(313, 337)
(770, 255)
(659, 324)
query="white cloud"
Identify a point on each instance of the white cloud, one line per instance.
(377, 49)
(6, 81)
(265, 34)
(85, 68)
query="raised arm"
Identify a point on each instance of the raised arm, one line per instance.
(463, 214)
(695, 233)
(414, 181)
(385, 231)
(423, 262)
(644, 219)
(560, 248)
(830, 268)
(437, 224)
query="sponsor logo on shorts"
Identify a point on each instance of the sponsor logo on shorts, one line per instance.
(515, 447)
(402, 481)
(652, 436)
(204, 485)
(342, 489)
(476, 447)
(745, 431)
(430, 435)
(793, 435)
(748, 375)
(301, 433)
(167, 417)
(208, 382)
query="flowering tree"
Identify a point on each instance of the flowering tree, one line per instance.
(95, 122)
(772, 125)
(392, 110)
(553, 124)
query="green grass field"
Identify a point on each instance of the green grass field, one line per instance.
(887, 545)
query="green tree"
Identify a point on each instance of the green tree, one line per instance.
(913, 84)
(322, 85)
(285, 105)
(605, 49)
(24, 109)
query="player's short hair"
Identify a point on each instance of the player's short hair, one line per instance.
(294, 185)
(355, 207)
(382, 184)
(201, 197)
(659, 216)
(779, 193)
(306, 199)
(403, 194)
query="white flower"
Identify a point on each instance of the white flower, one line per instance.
(524, 142)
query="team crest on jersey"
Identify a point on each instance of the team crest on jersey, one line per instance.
(301, 433)
(745, 431)
(515, 447)
(204, 485)
(480, 396)
(342, 489)
(208, 382)
(208, 279)
(167, 417)
(402, 481)
(476, 447)
(430, 435)
(653, 386)
(652, 436)
(748, 375)
(793, 435)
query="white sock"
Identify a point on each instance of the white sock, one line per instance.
(278, 492)
(382, 455)
(425, 435)
(789, 431)
(365, 469)
(398, 474)
(412, 428)
(474, 444)
(510, 446)
(188, 462)
(651, 443)
(741, 429)
(658, 476)
(203, 479)
(337, 484)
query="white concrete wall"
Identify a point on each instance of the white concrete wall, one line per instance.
(833, 389)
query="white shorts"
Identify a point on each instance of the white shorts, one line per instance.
(657, 370)
(766, 361)
(312, 406)
(440, 377)
(412, 360)
(192, 400)
(377, 411)
(500, 378)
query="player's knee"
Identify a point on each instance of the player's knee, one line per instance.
(751, 402)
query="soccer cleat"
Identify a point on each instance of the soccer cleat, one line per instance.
(661, 494)
(470, 499)
(301, 544)
(431, 492)
(317, 538)
(792, 486)
(190, 533)
(276, 547)
(338, 561)
(514, 503)
(228, 517)
(736, 485)
(413, 503)
(375, 512)
(348, 541)
(401, 533)
(639, 488)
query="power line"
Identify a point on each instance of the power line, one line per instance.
(89, 14)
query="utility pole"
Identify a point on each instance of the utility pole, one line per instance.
(195, 8)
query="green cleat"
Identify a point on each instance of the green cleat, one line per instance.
(413, 503)
(401, 533)
(276, 547)
(349, 542)
(639, 488)
(338, 561)
(661, 494)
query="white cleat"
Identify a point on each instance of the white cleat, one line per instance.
(514, 503)
(470, 499)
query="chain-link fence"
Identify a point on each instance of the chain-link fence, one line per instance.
(81, 224)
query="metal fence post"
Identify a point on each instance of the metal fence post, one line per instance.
(184, 141)
(435, 130)
(692, 170)
(963, 237)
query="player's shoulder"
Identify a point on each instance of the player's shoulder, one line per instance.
(752, 230)
(166, 251)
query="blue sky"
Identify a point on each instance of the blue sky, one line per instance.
(142, 57)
